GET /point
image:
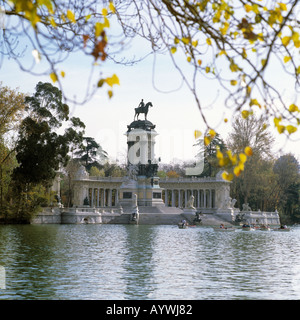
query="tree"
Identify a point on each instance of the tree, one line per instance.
(40, 150)
(91, 153)
(209, 152)
(231, 42)
(287, 173)
(11, 108)
(95, 172)
(254, 133)
(47, 32)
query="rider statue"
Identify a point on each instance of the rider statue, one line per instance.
(142, 104)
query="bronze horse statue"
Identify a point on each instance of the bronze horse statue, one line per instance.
(142, 109)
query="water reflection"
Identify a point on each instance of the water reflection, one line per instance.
(139, 262)
(147, 262)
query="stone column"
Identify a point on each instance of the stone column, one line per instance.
(98, 197)
(116, 197)
(179, 198)
(110, 198)
(104, 197)
(173, 198)
(92, 197)
(166, 197)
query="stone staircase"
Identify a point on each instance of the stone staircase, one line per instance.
(161, 215)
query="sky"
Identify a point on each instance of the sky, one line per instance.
(154, 79)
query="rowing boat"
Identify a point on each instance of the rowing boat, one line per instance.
(225, 229)
(282, 229)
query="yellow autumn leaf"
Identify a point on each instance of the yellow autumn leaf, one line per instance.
(237, 171)
(53, 76)
(219, 154)
(287, 59)
(185, 40)
(248, 7)
(241, 165)
(245, 114)
(112, 7)
(104, 12)
(276, 121)
(110, 94)
(295, 36)
(63, 17)
(293, 108)
(233, 82)
(212, 133)
(195, 43)
(248, 151)
(280, 128)
(71, 16)
(282, 6)
(112, 80)
(224, 28)
(208, 41)
(62, 73)
(52, 22)
(189, 59)
(233, 160)
(243, 157)
(106, 23)
(291, 129)
(197, 134)
(173, 50)
(286, 41)
(199, 62)
(248, 90)
(254, 102)
(233, 67)
(98, 29)
(207, 140)
(227, 176)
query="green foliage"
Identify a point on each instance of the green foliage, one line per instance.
(11, 108)
(286, 169)
(40, 150)
(209, 151)
(91, 153)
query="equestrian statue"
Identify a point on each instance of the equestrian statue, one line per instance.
(142, 108)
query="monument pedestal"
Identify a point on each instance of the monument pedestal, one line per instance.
(142, 166)
(148, 191)
(226, 214)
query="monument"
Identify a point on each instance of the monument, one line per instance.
(142, 164)
(141, 197)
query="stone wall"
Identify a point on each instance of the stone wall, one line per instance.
(47, 215)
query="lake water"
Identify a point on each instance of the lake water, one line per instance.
(148, 262)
